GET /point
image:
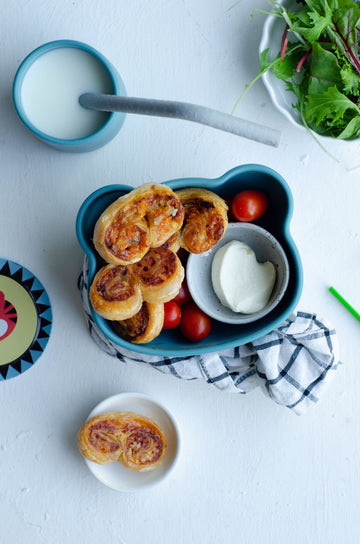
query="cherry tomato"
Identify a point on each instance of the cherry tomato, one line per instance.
(195, 325)
(249, 205)
(184, 294)
(172, 315)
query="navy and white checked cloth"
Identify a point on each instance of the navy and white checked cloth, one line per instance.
(293, 364)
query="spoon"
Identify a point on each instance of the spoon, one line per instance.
(182, 110)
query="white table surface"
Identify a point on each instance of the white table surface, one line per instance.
(250, 470)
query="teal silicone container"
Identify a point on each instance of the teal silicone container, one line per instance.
(276, 220)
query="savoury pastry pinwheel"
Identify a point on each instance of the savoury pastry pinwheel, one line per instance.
(134, 440)
(205, 220)
(144, 443)
(164, 212)
(115, 293)
(145, 217)
(144, 326)
(160, 274)
(99, 439)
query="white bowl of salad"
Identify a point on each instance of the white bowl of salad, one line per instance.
(310, 65)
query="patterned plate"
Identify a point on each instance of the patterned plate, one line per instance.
(25, 319)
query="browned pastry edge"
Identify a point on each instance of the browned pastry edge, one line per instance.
(145, 217)
(205, 221)
(144, 326)
(135, 440)
(160, 274)
(115, 293)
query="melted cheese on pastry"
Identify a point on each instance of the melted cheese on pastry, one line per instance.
(144, 326)
(205, 220)
(122, 237)
(98, 438)
(115, 293)
(160, 274)
(135, 440)
(164, 213)
(145, 217)
(144, 443)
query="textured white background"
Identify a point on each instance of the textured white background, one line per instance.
(250, 470)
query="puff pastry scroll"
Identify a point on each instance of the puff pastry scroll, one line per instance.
(205, 219)
(145, 217)
(115, 293)
(99, 439)
(144, 443)
(135, 440)
(144, 326)
(164, 213)
(160, 274)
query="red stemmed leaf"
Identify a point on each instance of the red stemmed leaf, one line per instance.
(343, 31)
(284, 43)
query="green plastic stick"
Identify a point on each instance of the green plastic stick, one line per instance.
(345, 303)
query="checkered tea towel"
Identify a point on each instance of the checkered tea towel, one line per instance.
(293, 364)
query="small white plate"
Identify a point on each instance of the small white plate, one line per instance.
(116, 475)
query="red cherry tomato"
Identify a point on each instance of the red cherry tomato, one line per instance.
(183, 295)
(195, 325)
(249, 205)
(172, 315)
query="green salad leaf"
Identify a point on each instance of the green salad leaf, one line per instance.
(329, 106)
(320, 64)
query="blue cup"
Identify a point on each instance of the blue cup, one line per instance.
(112, 121)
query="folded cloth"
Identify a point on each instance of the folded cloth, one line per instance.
(292, 364)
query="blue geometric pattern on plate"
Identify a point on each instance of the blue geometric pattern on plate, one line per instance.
(27, 357)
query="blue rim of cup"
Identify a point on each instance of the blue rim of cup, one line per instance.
(113, 122)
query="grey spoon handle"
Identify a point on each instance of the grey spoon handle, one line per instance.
(182, 110)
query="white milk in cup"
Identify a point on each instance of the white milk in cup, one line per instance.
(51, 89)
